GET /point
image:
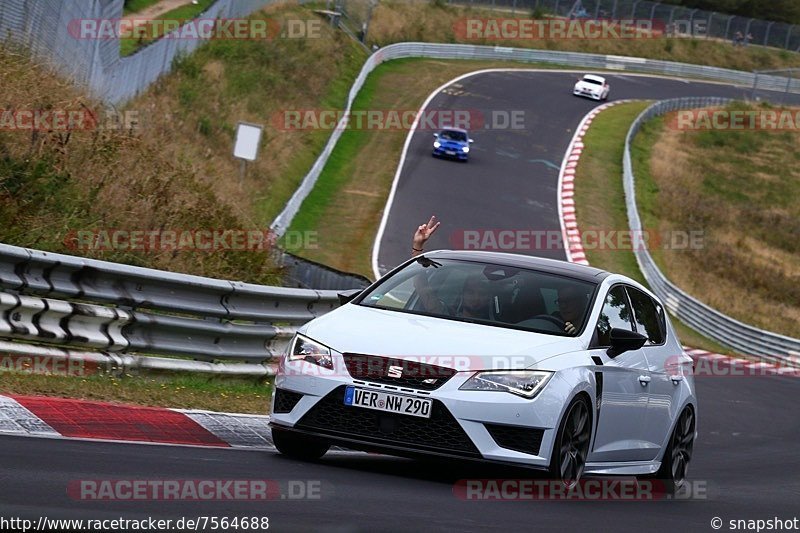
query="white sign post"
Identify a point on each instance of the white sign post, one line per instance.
(248, 139)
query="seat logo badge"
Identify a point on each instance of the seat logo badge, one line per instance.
(395, 372)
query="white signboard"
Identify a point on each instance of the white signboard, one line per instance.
(248, 137)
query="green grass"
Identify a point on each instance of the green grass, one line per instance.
(336, 174)
(157, 390)
(134, 6)
(599, 196)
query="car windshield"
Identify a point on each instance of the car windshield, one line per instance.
(484, 293)
(592, 81)
(450, 135)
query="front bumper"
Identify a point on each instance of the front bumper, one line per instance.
(587, 94)
(457, 154)
(486, 426)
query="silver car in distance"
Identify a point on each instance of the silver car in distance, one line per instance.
(498, 358)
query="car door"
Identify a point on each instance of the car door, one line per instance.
(665, 373)
(622, 409)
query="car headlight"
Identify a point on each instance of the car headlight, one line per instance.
(465, 149)
(525, 383)
(305, 349)
(436, 144)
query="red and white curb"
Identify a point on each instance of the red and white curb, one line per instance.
(80, 419)
(576, 254)
(566, 187)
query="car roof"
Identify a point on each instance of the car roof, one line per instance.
(594, 77)
(551, 266)
(461, 130)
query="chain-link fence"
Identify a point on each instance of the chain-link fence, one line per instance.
(675, 20)
(49, 28)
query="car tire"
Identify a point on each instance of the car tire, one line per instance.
(571, 445)
(298, 446)
(675, 463)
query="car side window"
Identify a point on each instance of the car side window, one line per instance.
(648, 316)
(616, 313)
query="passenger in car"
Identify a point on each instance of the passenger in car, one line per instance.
(475, 299)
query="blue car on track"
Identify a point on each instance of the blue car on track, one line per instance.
(453, 143)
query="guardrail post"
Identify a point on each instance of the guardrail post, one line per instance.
(788, 86)
(755, 85)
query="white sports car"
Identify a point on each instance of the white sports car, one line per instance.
(592, 86)
(494, 357)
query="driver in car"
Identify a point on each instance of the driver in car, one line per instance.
(570, 308)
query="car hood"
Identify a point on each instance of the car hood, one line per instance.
(363, 330)
(452, 144)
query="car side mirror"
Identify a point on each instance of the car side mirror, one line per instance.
(436, 135)
(471, 141)
(348, 296)
(623, 340)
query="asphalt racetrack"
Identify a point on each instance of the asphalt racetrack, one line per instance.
(510, 182)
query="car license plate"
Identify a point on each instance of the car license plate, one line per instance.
(391, 403)
(449, 152)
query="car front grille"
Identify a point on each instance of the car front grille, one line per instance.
(439, 433)
(285, 400)
(412, 374)
(520, 439)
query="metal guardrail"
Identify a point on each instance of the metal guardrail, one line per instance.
(710, 322)
(74, 302)
(525, 55)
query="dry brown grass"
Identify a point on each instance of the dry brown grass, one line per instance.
(401, 21)
(741, 190)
